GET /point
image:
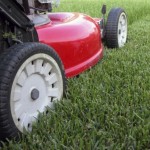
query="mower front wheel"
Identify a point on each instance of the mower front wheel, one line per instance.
(31, 79)
(116, 28)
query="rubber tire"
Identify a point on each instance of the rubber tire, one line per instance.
(10, 61)
(111, 36)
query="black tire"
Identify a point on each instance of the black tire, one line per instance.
(11, 62)
(114, 32)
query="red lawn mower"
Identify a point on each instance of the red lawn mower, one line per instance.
(39, 50)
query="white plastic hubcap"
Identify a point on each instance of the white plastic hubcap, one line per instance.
(37, 84)
(122, 30)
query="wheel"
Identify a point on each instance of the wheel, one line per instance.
(31, 79)
(116, 28)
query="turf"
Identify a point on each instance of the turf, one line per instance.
(107, 107)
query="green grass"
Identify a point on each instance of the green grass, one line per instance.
(135, 8)
(108, 106)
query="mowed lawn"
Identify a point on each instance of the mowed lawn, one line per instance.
(108, 106)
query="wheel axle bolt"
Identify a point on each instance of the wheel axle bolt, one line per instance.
(35, 94)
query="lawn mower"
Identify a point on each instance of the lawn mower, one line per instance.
(39, 50)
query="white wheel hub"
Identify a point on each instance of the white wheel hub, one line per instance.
(122, 30)
(37, 84)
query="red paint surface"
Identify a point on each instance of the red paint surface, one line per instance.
(76, 39)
